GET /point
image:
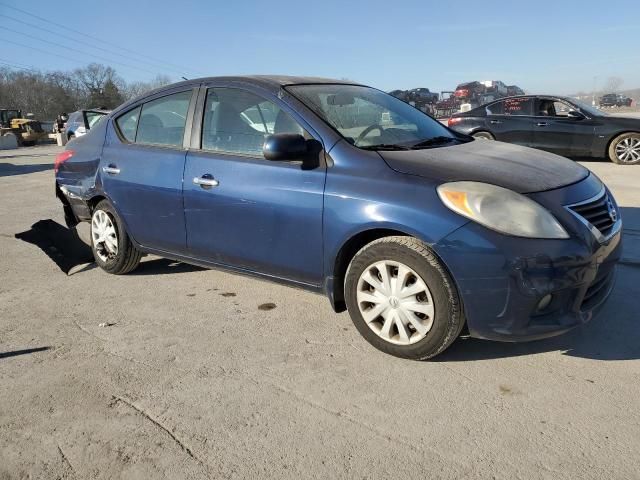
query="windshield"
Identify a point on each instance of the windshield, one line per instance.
(369, 118)
(588, 109)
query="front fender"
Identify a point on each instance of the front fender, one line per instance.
(376, 197)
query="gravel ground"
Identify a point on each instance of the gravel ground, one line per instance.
(179, 372)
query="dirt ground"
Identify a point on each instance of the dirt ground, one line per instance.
(179, 372)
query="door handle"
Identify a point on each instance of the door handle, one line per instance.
(541, 124)
(495, 122)
(111, 170)
(206, 181)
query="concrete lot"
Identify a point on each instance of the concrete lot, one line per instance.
(194, 375)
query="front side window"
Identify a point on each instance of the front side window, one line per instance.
(238, 121)
(128, 124)
(162, 121)
(369, 118)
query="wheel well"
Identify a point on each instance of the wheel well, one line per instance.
(346, 253)
(606, 151)
(95, 201)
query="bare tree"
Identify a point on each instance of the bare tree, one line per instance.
(135, 89)
(47, 94)
(613, 84)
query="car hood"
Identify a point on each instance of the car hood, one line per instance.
(521, 169)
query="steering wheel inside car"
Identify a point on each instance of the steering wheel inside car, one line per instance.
(367, 131)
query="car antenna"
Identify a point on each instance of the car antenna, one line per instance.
(184, 78)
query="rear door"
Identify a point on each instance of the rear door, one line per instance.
(142, 166)
(555, 132)
(510, 120)
(262, 216)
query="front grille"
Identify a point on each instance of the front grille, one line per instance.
(601, 213)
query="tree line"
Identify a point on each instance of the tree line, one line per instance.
(47, 94)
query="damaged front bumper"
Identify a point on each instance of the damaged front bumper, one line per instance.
(515, 289)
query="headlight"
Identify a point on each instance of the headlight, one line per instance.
(500, 209)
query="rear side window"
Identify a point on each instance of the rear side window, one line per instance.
(128, 123)
(162, 121)
(518, 106)
(495, 108)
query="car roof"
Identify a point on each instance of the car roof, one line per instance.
(559, 97)
(271, 83)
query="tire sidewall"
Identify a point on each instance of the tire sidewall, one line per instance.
(447, 317)
(612, 149)
(483, 136)
(115, 264)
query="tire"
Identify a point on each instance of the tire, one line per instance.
(13, 135)
(126, 256)
(444, 323)
(617, 146)
(483, 136)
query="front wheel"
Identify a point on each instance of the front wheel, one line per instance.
(625, 149)
(401, 299)
(483, 136)
(111, 246)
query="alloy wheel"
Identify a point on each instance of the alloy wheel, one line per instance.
(628, 150)
(395, 302)
(104, 235)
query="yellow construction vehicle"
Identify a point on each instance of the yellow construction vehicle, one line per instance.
(27, 131)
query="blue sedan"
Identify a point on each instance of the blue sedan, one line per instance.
(342, 189)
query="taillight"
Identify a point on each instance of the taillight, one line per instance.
(454, 121)
(61, 158)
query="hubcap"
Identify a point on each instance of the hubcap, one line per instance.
(395, 302)
(628, 150)
(104, 235)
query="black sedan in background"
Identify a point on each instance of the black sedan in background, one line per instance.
(559, 125)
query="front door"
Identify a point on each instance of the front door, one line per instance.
(555, 132)
(141, 170)
(242, 210)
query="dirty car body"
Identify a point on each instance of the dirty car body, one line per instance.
(302, 222)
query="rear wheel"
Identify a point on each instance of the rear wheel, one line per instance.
(483, 136)
(12, 136)
(401, 299)
(625, 149)
(111, 246)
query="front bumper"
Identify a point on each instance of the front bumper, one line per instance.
(502, 279)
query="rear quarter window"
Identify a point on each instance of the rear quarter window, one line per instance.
(495, 108)
(127, 124)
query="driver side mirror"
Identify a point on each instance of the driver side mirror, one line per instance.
(293, 146)
(285, 146)
(575, 115)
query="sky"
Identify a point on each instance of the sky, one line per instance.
(561, 46)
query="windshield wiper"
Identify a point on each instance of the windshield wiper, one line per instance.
(386, 146)
(430, 142)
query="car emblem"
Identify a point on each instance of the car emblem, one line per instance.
(613, 215)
